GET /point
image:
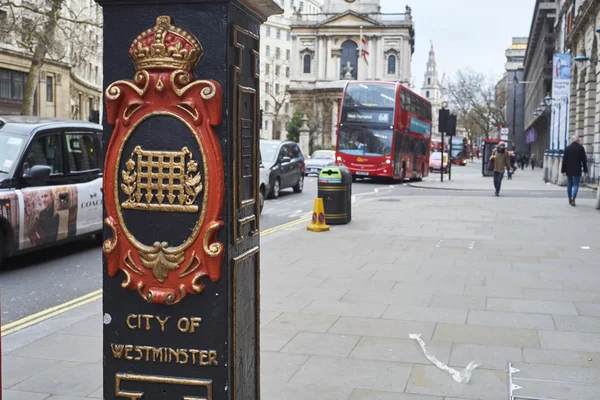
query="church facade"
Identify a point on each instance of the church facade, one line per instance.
(432, 90)
(347, 40)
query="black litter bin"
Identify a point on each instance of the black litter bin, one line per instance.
(335, 188)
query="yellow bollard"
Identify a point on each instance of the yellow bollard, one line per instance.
(318, 223)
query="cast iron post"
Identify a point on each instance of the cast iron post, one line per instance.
(181, 265)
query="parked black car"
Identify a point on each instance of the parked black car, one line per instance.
(285, 163)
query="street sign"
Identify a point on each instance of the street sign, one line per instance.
(504, 131)
(504, 137)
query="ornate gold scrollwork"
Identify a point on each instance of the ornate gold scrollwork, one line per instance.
(113, 92)
(109, 244)
(160, 260)
(208, 91)
(215, 248)
(161, 175)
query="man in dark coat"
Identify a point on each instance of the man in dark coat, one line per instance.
(574, 160)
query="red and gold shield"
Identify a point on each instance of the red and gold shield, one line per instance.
(163, 182)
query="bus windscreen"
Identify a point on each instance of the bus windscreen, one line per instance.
(370, 95)
(362, 140)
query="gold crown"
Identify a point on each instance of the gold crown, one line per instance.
(165, 46)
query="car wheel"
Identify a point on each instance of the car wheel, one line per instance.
(300, 186)
(275, 191)
(262, 199)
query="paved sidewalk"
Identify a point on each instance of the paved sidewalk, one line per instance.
(470, 178)
(480, 278)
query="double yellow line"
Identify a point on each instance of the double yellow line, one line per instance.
(41, 316)
(49, 313)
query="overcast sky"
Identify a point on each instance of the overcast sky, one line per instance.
(465, 33)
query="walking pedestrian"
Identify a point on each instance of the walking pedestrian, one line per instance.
(513, 160)
(525, 162)
(501, 160)
(574, 160)
(532, 162)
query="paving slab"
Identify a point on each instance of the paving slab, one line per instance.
(303, 322)
(62, 347)
(430, 314)
(399, 350)
(65, 378)
(488, 357)
(487, 335)
(577, 341)
(510, 319)
(382, 328)
(484, 384)
(352, 373)
(22, 395)
(325, 344)
(301, 392)
(16, 369)
(361, 394)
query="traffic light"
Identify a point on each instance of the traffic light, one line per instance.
(452, 125)
(444, 116)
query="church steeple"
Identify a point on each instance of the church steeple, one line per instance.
(432, 89)
(431, 75)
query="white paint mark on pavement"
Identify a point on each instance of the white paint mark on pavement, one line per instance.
(585, 247)
(461, 377)
(439, 244)
(471, 245)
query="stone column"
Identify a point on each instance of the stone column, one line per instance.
(304, 136)
(181, 244)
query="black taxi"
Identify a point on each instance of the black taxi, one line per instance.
(50, 182)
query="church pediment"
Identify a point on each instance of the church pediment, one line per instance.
(349, 18)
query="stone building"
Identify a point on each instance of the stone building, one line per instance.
(276, 51)
(432, 89)
(538, 72)
(345, 41)
(70, 81)
(515, 94)
(581, 39)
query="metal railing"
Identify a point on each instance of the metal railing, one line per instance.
(593, 175)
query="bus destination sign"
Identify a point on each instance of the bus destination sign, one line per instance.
(377, 117)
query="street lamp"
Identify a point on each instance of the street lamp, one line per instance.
(582, 57)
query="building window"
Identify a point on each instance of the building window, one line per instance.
(277, 53)
(268, 51)
(427, 94)
(267, 68)
(287, 108)
(288, 36)
(267, 87)
(277, 70)
(287, 72)
(277, 88)
(307, 62)
(267, 124)
(268, 32)
(278, 34)
(392, 65)
(301, 5)
(429, 81)
(288, 54)
(12, 84)
(267, 106)
(292, 4)
(49, 89)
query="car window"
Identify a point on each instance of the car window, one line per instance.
(295, 151)
(284, 152)
(10, 148)
(81, 152)
(45, 150)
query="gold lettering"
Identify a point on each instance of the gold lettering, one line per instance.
(128, 349)
(157, 354)
(117, 350)
(195, 324)
(162, 322)
(140, 352)
(203, 358)
(127, 321)
(194, 352)
(148, 318)
(183, 352)
(147, 349)
(172, 353)
(212, 358)
(184, 328)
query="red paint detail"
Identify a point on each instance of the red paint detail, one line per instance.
(125, 111)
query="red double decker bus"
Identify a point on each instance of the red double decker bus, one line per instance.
(460, 150)
(384, 130)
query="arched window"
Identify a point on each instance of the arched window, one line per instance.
(392, 65)
(427, 94)
(349, 60)
(429, 81)
(307, 63)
